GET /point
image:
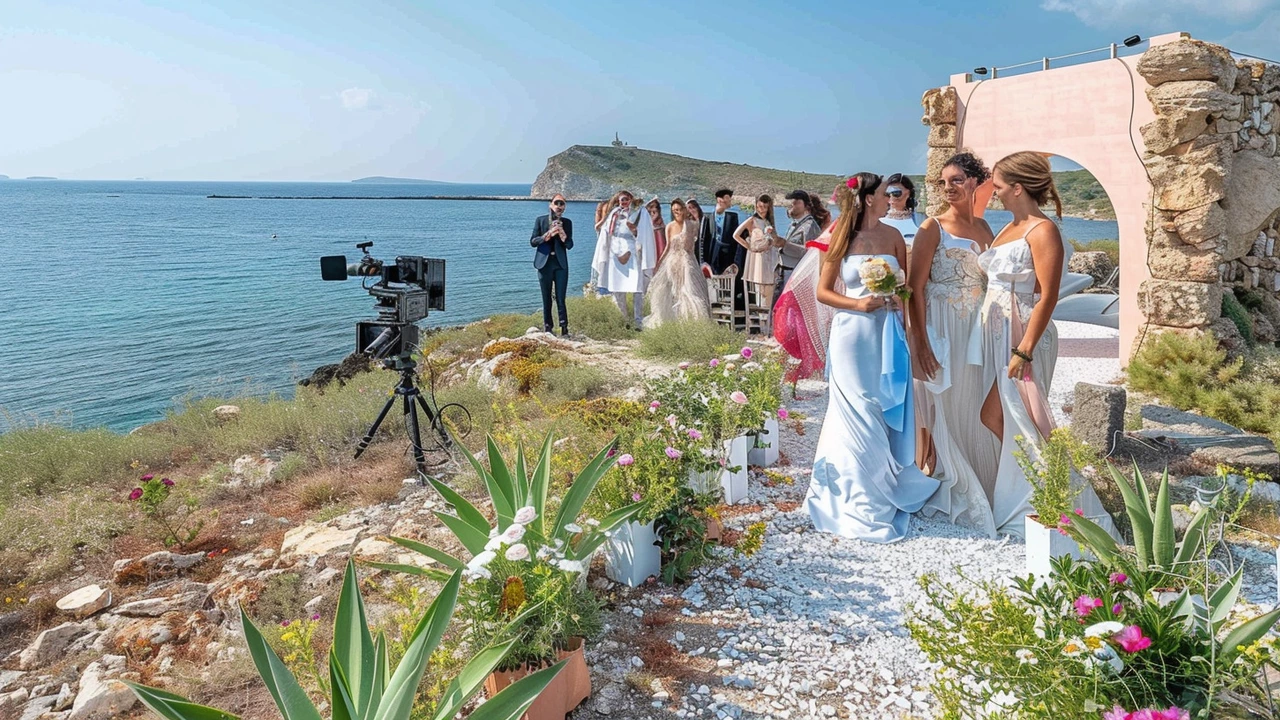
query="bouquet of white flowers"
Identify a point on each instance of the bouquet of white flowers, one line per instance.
(882, 279)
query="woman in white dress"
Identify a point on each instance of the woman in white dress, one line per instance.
(625, 255)
(902, 207)
(678, 289)
(947, 286)
(762, 242)
(865, 483)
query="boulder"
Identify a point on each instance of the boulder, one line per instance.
(11, 701)
(351, 366)
(156, 565)
(1094, 263)
(64, 698)
(226, 413)
(10, 678)
(101, 696)
(1264, 333)
(251, 472)
(310, 541)
(1229, 337)
(1201, 227)
(155, 607)
(942, 136)
(1193, 177)
(50, 644)
(1253, 199)
(37, 707)
(1170, 259)
(1180, 304)
(85, 601)
(1242, 451)
(1188, 60)
(1184, 110)
(939, 106)
(1097, 416)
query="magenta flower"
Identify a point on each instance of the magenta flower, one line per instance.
(135, 493)
(746, 353)
(673, 453)
(694, 434)
(315, 616)
(1119, 578)
(1131, 639)
(1064, 520)
(655, 405)
(284, 623)
(626, 459)
(715, 362)
(1117, 609)
(739, 397)
(1116, 713)
(1119, 713)
(1085, 605)
(683, 366)
(783, 414)
(167, 482)
(612, 452)
(635, 497)
(146, 477)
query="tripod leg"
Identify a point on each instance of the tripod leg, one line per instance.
(411, 425)
(364, 442)
(437, 423)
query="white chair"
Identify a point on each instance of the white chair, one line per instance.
(720, 291)
(759, 309)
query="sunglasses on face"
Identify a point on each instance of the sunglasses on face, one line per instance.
(558, 203)
(894, 192)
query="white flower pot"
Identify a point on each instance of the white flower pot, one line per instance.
(735, 483)
(631, 553)
(767, 455)
(1044, 544)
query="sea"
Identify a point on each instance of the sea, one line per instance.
(123, 299)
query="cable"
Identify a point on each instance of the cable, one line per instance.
(1151, 202)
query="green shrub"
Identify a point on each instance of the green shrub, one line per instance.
(1110, 247)
(574, 382)
(48, 532)
(597, 318)
(693, 340)
(1239, 316)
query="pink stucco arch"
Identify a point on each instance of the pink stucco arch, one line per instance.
(1089, 113)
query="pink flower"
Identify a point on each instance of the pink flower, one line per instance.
(167, 482)
(672, 420)
(315, 616)
(783, 414)
(694, 434)
(739, 397)
(635, 497)
(626, 459)
(747, 353)
(654, 405)
(852, 183)
(1131, 639)
(1117, 609)
(146, 477)
(1085, 605)
(673, 453)
(683, 366)
(135, 493)
(1079, 512)
(715, 362)
(284, 623)
(1116, 713)
(1064, 520)
(1119, 578)
(611, 453)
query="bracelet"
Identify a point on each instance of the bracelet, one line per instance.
(1021, 354)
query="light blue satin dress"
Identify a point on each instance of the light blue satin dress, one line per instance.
(865, 483)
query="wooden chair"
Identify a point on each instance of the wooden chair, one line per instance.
(720, 291)
(759, 313)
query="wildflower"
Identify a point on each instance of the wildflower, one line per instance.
(573, 528)
(146, 478)
(1064, 520)
(1119, 578)
(683, 366)
(783, 414)
(135, 493)
(715, 362)
(166, 482)
(728, 367)
(513, 534)
(1117, 609)
(1102, 629)
(517, 552)
(739, 397)
(694, 434)
(1078, 512)
(1074, 647)
(315, 617)
(747, 353)
(285, 623)
(525, 515)
(672, 420)
(478, 573)
(673, 453)
(1131, 639)
(611, 453)
(655, 405)
(1085, 605)
(570, 566)
(1026, 656)
(636, 497)
(626, 460)
(494, 543)
(593, 522)
(544, 553)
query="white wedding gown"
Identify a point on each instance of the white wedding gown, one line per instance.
(678, 289)
(865, 483)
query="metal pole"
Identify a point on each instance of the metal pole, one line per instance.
(1044, 64)
(1114, 52)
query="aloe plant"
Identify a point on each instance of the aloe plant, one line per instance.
(1210, 616)
(363, 684)
(1153, 534)
(512, 489)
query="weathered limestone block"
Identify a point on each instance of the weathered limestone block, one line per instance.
(939, 106)
(101, 696)
(1253, 198)
(1201, 227)
(1180, 304)
(937, 159)
(226, 413)
(1192, 178)
(1170, 259)
(1188, 60)
(1093, 263)
(49, 645)
(85, 601)
(1098, 415)
(1184, 110)
(942, 135)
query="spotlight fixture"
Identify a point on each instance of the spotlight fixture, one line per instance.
(979, 71)
(1132, 40)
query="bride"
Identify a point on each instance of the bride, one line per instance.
(865, 483)
(678, 289)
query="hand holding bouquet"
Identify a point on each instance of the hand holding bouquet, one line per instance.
(884, 280)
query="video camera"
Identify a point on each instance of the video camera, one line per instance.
(404, 292)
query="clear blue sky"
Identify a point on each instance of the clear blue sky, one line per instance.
(478, 91)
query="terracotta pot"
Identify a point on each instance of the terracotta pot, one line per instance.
(570, 687)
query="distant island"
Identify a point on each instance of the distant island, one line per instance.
(41, 177)
(379, 179)
(4, 177)
(592, 172)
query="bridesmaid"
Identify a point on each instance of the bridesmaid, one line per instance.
(947, 285)
(762, 242)
(865, 483)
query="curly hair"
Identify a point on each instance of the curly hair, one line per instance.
(853, 206)
(971, 165)
(904, 181)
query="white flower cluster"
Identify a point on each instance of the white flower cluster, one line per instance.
(516, 551)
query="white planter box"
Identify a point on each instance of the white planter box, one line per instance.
(767, 455)
(1044, 544)
(735, 483)
(631, 554)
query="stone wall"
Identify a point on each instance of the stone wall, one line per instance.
(940, 113)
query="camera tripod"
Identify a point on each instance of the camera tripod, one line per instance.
(412, 399)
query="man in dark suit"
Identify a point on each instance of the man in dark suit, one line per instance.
(719, 249)
(552, 238)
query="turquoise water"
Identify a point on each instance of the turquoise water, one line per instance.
(121, 298)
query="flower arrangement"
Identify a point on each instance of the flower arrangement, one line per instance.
(882, 279)
(178, 521)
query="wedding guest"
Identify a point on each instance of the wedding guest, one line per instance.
(718, 248)
(679, 289)
(865, 483)
(902, 206)
(601, 254)
(947, 285)
(629, 255)
(761, 241)
(654, 208)
(552, 239)
(809, 216)
(696, 216)
(801, 324)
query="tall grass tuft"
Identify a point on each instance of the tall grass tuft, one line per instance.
(689, 340)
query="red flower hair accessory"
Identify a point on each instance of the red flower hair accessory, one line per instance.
(852, 183)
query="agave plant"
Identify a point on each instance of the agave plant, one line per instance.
(519, 497)
(363, 684)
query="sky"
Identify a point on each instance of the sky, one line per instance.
(480, 91)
